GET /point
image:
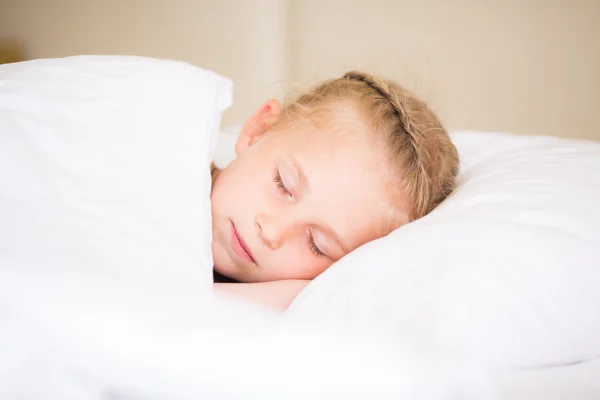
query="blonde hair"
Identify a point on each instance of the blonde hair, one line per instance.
(420, 151)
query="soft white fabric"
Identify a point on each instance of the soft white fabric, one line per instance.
(103, 167)
(506, 270)
(225, 149)
(135, 345)
(577, 382)
(105, 264)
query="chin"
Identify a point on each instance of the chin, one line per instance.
(223, 265)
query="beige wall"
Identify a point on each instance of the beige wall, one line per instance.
(523, 66)
(528, 66)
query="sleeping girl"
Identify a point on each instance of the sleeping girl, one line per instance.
(348, 162)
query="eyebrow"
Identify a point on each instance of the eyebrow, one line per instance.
(305, 185)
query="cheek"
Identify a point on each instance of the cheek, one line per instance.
(313, 266)
(296, 262)
(243, 190)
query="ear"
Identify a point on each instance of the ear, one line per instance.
(257, 125)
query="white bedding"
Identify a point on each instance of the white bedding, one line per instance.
(104, 271)
(105, 265)
(580, 381)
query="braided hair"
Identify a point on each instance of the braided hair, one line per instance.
(420, 152)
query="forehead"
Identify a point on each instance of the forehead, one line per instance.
(348, 180)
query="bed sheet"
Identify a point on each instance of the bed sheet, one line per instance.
(573, 382)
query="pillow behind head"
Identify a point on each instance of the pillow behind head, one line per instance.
(506, 270)
(104, 170)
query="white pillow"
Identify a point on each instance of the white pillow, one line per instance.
(225, 150)
(104, 169)
(506, 270)
(105, 254)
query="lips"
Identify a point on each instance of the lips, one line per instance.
(239, 246)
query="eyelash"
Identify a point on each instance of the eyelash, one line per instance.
(313, 247)
(280, 185)
(311, 240)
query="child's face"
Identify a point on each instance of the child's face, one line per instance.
(293, 202)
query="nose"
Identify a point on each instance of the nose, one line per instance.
(270, 230)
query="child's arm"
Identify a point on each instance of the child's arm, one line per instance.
(276, 295)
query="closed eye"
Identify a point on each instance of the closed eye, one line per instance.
(313, 246)
(280, 185)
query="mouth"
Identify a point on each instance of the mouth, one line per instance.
(239, 246)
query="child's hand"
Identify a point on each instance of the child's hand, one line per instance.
(276, 295)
